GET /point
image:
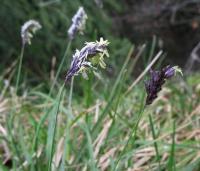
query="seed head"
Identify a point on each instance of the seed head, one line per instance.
(28, 29)
(91, 55)
(78, 23)
(157, 79)
(99, 3)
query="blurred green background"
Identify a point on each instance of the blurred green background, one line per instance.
(174, 23)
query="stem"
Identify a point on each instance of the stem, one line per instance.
(55, 126)
(61, 91)
(70, 95)
(20, 66)
(155, 143)
(132, 135)
(47, 112)
(66, 145)
(171, 161)
(44, 117)
(60, 66)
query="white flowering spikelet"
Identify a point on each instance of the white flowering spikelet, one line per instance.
(28, 29)
(78, 23)
(91, 55)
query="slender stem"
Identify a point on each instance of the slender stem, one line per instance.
(66, 146)
(44, 117)
(60, 66)
(55, 126)
(60, 95)
(132, 136)
(155, 143)
(171, 161)
(52, 86)
(70, 95)
(19, 67)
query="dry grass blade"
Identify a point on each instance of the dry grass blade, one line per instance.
(3, 130)
(4, 105)
(59, 152)
(105, 159)
(101, 137)
(52, 72)
(143, 156)
(9, 69)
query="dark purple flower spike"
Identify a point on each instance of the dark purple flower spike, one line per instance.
(157, 79)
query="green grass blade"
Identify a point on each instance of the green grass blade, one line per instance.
(52, 128)
(92, 163)
(154, 138)
(67, 135)
(171, 165)
(66, 147)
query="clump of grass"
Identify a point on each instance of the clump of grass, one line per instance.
(113, 130)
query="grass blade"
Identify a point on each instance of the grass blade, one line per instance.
(52, 128)
(171, 165)
(155, 143)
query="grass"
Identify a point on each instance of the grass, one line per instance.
(109, 134)
(100, 123)
(154, 138)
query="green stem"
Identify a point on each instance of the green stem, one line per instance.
(60, 66)
(171, 161)
(66, 146)
(35, 142)
(155, 143)
(55, 126)
(52, 86)
(42, 120)
(132, 136)
(19, 67)
(70, 95)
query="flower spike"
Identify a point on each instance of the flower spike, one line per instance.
(78, 23)
(91, 55)
(158, 78)
(27, 29)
